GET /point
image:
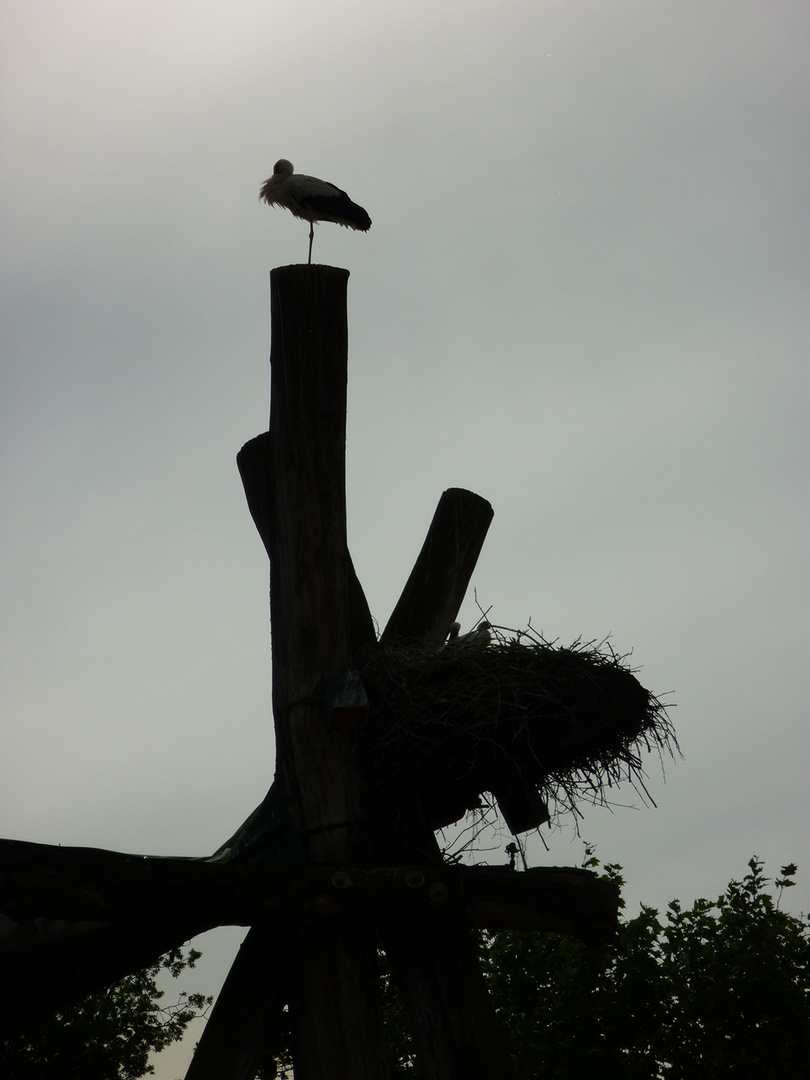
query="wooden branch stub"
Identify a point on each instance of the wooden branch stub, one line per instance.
(435, 589)
(255, 469)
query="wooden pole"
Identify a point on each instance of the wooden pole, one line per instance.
(450, 1014)
(336, 979)
(309, 556)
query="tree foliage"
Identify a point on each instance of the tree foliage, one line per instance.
(108, 1036)
(718, 990)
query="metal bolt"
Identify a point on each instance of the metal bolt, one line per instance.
(341, 880)
(438, 892)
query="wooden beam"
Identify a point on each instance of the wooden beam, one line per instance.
(49, 964)
(435, 589)
(82, 884)
(301, 505)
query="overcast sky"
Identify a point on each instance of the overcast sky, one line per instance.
(584, 296)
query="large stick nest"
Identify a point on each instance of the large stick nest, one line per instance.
(449, 723)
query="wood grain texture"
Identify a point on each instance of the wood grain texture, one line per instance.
(317, 764)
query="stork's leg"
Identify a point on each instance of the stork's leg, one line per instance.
(311, 235)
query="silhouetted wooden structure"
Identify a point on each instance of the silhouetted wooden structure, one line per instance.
(341, 859)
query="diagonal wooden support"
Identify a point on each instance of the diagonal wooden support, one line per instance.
(237, 1035)
(446, 1000)
(435, 589)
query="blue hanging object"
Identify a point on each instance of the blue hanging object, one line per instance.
(345, 699)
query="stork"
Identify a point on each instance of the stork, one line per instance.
(476, 639)
(312, 200)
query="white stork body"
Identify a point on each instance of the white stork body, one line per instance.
(312, 199)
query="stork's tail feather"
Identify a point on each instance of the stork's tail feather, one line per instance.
(340, 210)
